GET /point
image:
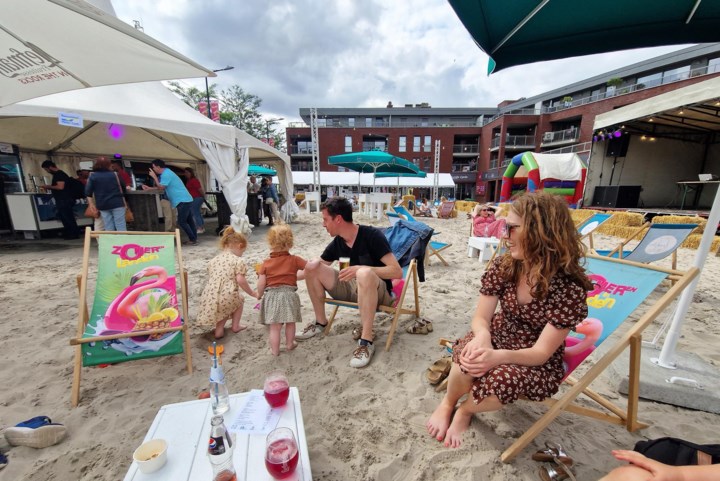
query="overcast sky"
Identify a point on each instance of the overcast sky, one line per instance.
(350, 53)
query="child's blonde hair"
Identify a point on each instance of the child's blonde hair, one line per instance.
(280, 238)
(230, 237)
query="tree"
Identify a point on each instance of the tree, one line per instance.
(237, 108)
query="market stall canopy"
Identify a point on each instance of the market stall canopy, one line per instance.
(373, 161)
(351, 179)
(398, 175)
(141, 121)
(260, 170)
(49, 46)
(526, 31)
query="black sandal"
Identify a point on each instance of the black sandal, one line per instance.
(553, 452)
(556, 472)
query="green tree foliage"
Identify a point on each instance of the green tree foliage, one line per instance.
(237, 108)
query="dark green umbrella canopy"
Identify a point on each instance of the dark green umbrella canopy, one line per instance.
(517, 32)
(419, 174)
(260, 170)
(373, 161)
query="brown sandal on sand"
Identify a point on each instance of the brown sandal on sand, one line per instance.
(556, 472)
(553, 452)
(439, 370)
(420, 326)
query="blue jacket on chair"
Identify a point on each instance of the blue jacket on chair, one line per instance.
(409, 240)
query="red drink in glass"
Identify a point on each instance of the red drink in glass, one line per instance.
(226, 476)
(276, 392)
(281, 458)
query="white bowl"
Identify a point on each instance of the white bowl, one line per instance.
(151, 456)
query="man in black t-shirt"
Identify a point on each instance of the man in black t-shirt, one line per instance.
(366, 281)
(64, 200)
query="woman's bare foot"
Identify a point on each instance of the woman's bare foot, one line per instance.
(239, 327)
(460, 423)
(439, 421)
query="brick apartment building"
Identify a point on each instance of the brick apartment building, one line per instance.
(476, 144)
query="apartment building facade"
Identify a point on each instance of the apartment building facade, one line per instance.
(476, 144)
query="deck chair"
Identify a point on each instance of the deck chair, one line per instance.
(446, 209)
(410, 257)
(587, 228)
(659, 241)
(434, 247)
(135, 312)
(620, 288)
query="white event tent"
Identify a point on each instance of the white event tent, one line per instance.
(142, 121)
(366, 180)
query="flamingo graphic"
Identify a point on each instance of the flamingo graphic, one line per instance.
(576, 350)
(122, 314)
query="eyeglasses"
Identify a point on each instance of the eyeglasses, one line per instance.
(484, 210)
(509, 228)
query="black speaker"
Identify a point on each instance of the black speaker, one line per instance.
(618, 196)
(618, 146)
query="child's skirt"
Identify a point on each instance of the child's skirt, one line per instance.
(280, 304)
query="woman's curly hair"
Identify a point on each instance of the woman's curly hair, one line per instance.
(550, 242)
(280, 238)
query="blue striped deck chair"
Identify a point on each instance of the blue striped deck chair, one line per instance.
(413, 272)
(587, 228)
(620, 291)
(659, 241)
(434, 247)
(137, 311)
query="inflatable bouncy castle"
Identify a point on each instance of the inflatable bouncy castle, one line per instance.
(560, 174)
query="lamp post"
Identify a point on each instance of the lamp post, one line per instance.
(207, 89)
(267, 127)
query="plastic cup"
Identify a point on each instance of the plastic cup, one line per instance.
(281, 453)
(276, 389)
(344, 262)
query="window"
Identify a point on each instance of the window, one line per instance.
(652, 80)
(426, 144)
(416, 143)
(424, 121)
(351, 122)
(403, 144)
(713, 65)
(348, 143)
(368, 121)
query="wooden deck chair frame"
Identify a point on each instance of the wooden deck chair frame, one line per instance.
(83, 313)
(632, 338)
(647, 227)
(445, 210)
(589, 235)
(396, 311)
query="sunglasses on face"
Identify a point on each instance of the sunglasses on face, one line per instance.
(509, 228)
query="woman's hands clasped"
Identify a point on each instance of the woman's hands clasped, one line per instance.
(478, 357)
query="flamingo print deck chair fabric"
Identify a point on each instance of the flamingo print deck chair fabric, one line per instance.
(620, 288)
(587, 228)
(660, 241)
(135, 312)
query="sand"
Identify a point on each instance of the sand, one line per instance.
(361, 424)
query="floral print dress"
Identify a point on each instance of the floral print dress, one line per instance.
(518, 326)
(221, 296)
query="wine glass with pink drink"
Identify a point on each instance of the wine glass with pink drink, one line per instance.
(281, 453)
(276, 389)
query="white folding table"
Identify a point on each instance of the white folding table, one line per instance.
(186, 428)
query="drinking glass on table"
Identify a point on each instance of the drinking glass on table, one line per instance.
(281, 453)
(276, 389)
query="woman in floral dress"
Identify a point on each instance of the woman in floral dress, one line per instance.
(517, 351)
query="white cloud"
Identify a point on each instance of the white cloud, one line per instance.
(345, 53)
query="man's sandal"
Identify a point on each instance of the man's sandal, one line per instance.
(553, 452)
(420, 326)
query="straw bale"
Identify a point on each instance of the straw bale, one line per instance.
(621, 231)
(682, 219)
(628, 219)
(465, 205)
(693, 242)
(581, 215)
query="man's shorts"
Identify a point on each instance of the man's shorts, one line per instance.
(347, 291)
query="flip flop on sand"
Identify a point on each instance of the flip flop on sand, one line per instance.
(552, 452)
(439, 370)
(556, 472)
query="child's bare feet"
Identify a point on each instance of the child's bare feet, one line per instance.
(439, 421)
(239, 327)
(460, 423)
(291, 346)
(275, 350)
(219, 330)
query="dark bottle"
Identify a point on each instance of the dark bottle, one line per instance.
(220, 451)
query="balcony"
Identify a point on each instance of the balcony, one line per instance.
(369, 146)
(346, 124)
(300, 150)
(514, 142)
(463, 149)
(560, 137)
